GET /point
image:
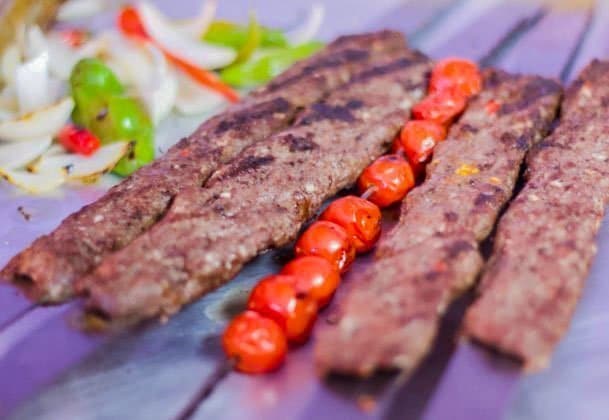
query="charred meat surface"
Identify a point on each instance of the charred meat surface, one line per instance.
(389, 317)
(261, 199)
(546, 241)
(48, 269)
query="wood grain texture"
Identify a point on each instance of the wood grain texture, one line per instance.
(152, 372)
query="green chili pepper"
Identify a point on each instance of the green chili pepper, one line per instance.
(93, 74)
(263, 68)
(232, 35)
(103, 109)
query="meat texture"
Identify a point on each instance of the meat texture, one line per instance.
(261, 199)
(48, 269)
(389, 317)
(546, 242)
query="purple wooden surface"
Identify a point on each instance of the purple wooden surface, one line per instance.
(595, 43)
(476, 385)
(547, 46)
(12, 304)
(495, 25)
(164, 366)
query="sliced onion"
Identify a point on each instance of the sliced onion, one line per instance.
(63, 58)
(35, 43)
(309, 28)
(195, 52)
(194, 99)
(160, 92)
(47, 121)
(74, 166)
(11, 58)
(34, 183)
(129, 60)
(198, 25)
(18, 154)
(9, 108)
(32, 84)
(79, 9)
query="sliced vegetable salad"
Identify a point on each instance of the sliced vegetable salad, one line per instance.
(76, 105)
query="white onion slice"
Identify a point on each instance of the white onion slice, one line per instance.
(79, 9)
(32, 84)
(18, 154)
(309, 28)
(160, 91)
(33, 183)
(11, 58)
(43, 122)
(198, 25)
(194, 99)
(75, 166)
(195, 52)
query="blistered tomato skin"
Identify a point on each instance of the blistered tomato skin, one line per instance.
(391, 177)
(315, 277)
(327, 240)
(418, 139)
(254, 343)
(360, 218)
(277, 298)
(441, 107)
(456, 73)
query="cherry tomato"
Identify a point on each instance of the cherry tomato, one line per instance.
(277, 298)
(441, 107)
(314, 276)
(419, 137)
(256, 344)
(78, 140)
(359, 217)
(462, 75)
(392, 177)
(397, 148)
(327, 240)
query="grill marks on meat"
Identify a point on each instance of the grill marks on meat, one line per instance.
(390, 315)
(545, 242)
(210, 233)
(50, 266)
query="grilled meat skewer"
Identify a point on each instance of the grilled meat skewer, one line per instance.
(48, 268)
(389, 317)
(546, 241)
(260, 200)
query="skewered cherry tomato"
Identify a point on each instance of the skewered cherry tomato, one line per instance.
(78, 140)
(441, 107)
(314, 276)
(256, 344)
(277, 298)
(418, 138)
(359, 217)
(327, 240)
(392, 177)
(462, 75)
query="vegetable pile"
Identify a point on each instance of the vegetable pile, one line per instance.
(282, 308)
(74, 105)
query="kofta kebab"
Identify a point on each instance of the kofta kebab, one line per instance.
(251, 177)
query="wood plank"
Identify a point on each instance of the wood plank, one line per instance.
(479, 38)
(595, 43)
(412, 16)
(547, 48)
